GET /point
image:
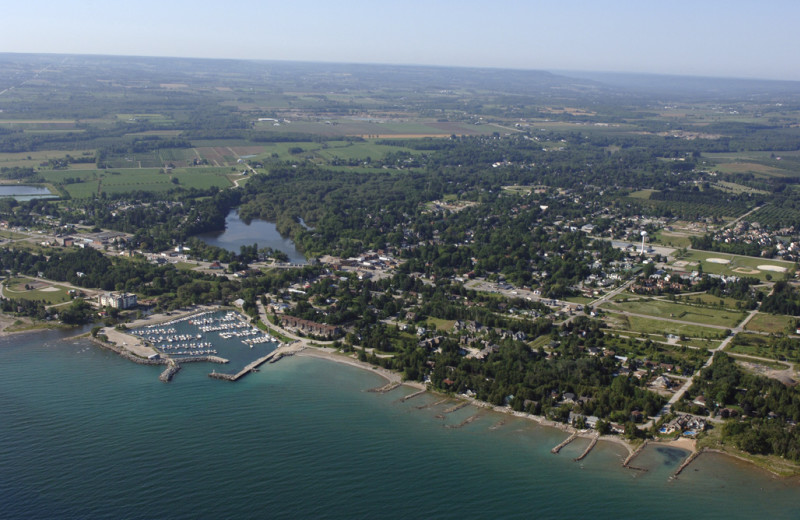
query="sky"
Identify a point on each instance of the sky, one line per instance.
(725, 38)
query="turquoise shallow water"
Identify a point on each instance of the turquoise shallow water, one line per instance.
(85, 434)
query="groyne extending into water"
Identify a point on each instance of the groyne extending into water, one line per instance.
(122, 352)
(686, 462)
(632, 455)
(588, 449)
(563, 443)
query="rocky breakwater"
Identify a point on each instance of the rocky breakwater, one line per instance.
(130, 356)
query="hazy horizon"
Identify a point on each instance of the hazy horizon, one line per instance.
(722, 39)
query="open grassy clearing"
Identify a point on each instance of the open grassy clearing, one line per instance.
(636, 325)
(732, 187)
(750, 363)
(772, 323)
(709, 299)
(757, 169)
(377, 127)
(641, 194)
(670, 239)
(441, 325)
(678, 311)
(765, 347)
(153, 118)
(11, 235)
(695, 343)
(583, 300)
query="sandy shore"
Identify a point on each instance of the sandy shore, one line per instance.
(333, 355)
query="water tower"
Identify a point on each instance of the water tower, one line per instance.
(644, 235)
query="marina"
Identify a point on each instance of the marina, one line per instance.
(213, 335)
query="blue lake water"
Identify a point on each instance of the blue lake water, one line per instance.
(238, 233)
(86, 434)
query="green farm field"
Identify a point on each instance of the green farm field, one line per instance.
(92, 182)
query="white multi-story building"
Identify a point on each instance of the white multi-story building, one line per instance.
(118, 300)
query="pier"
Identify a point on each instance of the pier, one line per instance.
(563, 443)
(686, 462)
(588, 448)
(286, 350)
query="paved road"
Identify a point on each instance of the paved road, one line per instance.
(685, 387)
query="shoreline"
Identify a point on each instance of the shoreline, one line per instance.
(394, 378)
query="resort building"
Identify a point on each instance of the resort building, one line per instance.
(118, 300)
(310, 327)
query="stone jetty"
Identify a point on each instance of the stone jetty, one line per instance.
(563, 443)
(686, 462)
(388, 387)
(172, 369)
(431, 405)
(412, 396)
(632, 455)
(588, 449)
(465, 421)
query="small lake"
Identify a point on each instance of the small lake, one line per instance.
(237, 234)
(22, 192)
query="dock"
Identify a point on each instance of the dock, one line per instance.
(563, 443)
(277, 353)
(588, 449)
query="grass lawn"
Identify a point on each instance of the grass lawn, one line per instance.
(438, 324)
(641, 194)
(665, 238)
(709, 299)
(579, 299)
(773, 323)
(678, 311)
